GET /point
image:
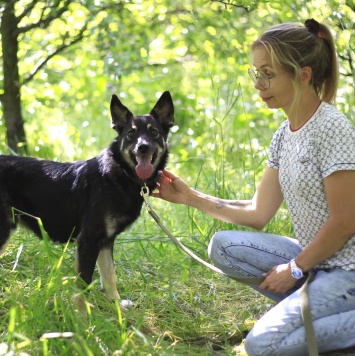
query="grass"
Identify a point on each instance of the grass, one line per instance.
(182, 308)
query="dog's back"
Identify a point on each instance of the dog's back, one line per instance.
(41, 189)
(68, 196)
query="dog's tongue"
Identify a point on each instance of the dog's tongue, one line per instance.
(144, 169)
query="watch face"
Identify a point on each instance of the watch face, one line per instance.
(297, 273)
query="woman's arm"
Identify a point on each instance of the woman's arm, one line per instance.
(340, 226)
(255, 213)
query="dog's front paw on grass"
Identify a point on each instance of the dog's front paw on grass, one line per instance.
(126, 304)
(83, 307)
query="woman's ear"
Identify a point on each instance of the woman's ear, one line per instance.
(306, 75)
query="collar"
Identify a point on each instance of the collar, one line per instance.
(137, 180)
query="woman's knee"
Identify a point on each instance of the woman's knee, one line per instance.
(259, 344)
(216, 245)
(251, 345)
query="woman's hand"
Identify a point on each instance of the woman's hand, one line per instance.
(278, 279)
(172, 188)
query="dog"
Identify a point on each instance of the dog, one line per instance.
(90, 201)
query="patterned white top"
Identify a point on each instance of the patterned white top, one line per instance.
(325, 144)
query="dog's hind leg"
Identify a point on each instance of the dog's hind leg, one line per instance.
(85, 261)
(86, 256)
(6, 224)
(4, 238)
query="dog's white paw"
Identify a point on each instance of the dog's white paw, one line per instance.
(126, 304)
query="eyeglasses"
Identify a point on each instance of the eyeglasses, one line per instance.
(259, 76)
(263, 78)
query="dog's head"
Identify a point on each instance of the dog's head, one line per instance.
(143, 139)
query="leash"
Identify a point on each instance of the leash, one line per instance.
(153, 214)
(304, 300)
(307, 317)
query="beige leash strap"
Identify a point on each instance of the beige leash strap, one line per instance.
(307, 317)
(305, 311)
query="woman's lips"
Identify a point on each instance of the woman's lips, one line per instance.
(267, 99)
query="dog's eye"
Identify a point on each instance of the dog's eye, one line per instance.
(131, 134)
(155, 133)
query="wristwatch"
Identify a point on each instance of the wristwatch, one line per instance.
(295, 270)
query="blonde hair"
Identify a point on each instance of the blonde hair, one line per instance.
(293, 46)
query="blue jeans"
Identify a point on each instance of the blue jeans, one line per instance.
(280, 331)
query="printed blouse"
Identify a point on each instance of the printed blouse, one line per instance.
(324, 145)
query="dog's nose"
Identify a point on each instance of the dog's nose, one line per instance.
(143, 148)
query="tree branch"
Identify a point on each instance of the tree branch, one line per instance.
(45, 22)
(348, 59)
(231, 3)
(64, 46)
(27, 10)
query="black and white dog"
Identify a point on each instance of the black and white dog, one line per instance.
(89, 201)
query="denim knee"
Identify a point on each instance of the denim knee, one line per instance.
(251, 345)
(215, 246)
(259, 344)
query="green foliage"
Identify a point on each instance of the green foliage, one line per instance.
(196, 49)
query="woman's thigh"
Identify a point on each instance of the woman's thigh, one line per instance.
(250, 254)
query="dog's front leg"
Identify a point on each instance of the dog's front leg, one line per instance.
(108, 277)
(107, 273)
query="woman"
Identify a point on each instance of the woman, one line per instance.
(312, 167)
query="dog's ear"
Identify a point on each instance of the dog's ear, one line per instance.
(163, 110)
(119, 113)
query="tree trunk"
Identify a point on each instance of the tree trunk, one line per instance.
(11, 98)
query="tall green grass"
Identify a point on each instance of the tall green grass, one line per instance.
(182, 308)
